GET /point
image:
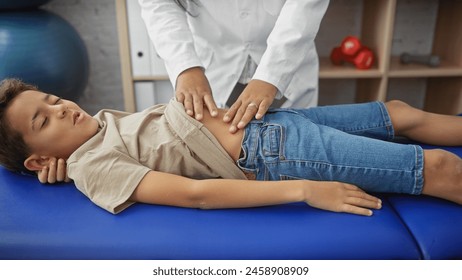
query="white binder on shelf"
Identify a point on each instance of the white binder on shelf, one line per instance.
(145, 61)
(151, 93)
(157, 63)
(144, 95)
(150, 77)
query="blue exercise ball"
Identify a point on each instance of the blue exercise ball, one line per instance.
(21, 4)
(43, 49)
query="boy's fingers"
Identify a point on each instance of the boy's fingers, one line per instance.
(359, 202)
(52, 171)
(43, 175)
(61, 171)
(356, 210)
(359, 193)
(365, 203)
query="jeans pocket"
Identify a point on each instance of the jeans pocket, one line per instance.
(272, 135)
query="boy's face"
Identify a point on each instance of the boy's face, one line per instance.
(50, 126)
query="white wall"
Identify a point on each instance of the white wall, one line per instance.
(96, 23)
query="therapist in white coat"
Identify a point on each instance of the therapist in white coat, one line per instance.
(211, 47)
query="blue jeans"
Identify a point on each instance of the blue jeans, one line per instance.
(345, 143)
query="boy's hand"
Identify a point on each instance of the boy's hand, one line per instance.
(254, 101)
(342, 197)
(55, 172)
(193, 90)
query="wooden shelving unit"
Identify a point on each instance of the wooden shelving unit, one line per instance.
(443, 93)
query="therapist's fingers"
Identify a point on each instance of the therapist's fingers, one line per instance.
(211, 106)
(250, 111)
(193, 90)
(234, 114)
(254, 101)
(198, 105)
(187, 100)
(245, 110)
(201, 97)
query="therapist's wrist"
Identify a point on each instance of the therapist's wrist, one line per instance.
(190, 74)
(264, 86)
(192, 70)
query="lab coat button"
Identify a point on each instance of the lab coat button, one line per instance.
(244, 14)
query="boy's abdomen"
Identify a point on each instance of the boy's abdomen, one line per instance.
(230, 142)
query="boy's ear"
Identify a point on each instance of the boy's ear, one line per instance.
(36, 162)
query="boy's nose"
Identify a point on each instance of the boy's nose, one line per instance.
(61, 110)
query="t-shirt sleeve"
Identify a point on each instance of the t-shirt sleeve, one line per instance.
(107, 177)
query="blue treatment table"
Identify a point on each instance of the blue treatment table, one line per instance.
(58, 222)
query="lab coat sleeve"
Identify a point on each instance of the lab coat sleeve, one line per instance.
(168, 29)
(289, 41)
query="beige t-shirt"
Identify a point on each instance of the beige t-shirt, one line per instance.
(109, 166)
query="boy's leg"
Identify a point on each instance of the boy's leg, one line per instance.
(289, 146)
(363, 119)
(373, 165)
(425, 127)
(442, 169)
(442, 175)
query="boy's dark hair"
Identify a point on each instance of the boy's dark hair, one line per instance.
(13, 149)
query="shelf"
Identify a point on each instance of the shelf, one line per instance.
(399, 70)
(327, 70)
(149, 78)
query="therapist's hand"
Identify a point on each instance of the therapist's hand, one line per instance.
(254, 101)
(54, 172)
(193, 90)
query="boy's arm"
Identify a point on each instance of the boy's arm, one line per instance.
(167, 189)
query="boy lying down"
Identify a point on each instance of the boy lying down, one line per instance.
(328, 157)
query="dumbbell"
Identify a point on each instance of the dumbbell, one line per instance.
(430, 60)
(351, 46)
(351, 50)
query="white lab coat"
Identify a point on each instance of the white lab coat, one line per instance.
(221, 34)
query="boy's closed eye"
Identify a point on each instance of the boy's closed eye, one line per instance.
(57, 101)
(45, 120)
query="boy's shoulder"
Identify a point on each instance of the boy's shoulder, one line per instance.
(102, 114)
(121, 130)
